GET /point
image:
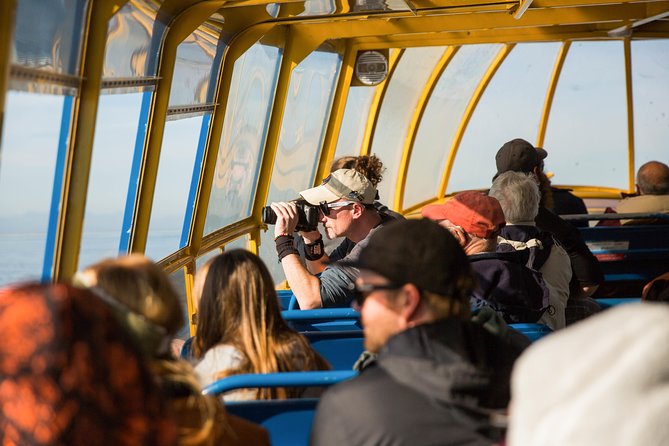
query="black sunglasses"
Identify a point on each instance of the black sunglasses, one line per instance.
(362, 290)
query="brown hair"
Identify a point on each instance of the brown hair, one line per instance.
(142, 286)
(369, 166)
(239, 307)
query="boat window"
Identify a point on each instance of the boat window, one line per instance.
(354, 122)
(116, 132)
(442, 119)
(510, 107)
(312, 84)
(243, 138)
(404, 88)
(589, 117)
(27, 172)
(650, 82)
(179, 164)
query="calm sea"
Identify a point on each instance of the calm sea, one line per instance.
(22, 255)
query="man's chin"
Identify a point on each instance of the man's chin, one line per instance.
(329, 233)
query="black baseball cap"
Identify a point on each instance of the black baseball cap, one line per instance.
(415, 251)
(518, 155)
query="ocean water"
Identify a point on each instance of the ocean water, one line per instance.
(22, 254)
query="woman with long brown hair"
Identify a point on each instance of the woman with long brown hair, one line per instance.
(240, 328)
(142, 298)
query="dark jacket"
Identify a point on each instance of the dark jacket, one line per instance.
(583, 263)
(431, 384)
(504, 283)
(566, 203)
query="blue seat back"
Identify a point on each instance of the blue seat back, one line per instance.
(287, 421)
(340, 348)
(323, 319)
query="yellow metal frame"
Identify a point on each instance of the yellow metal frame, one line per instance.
(421, 105)
(469, 111)
(7, 12)
(630, 115)
(77, 171)
(375, 107)
(550, 92)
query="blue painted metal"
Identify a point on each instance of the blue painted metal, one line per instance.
(135, 171)
(608, 302)
(284, 379)
(532, 331)
(56, 191)
(195, 180)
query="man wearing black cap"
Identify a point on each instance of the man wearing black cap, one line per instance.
(438, 376)
(519, 155)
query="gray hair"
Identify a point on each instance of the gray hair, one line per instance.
(518, 194)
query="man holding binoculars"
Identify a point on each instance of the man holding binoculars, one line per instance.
(345, 203)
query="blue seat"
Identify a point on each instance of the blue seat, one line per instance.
(340, 348)
(323, 319)
(285, 297)
(532, 331)
(287, 421)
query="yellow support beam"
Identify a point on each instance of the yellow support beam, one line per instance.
(421, 105)
(550, 92)
(77, 171)
(184, 23)
(336, 114)
(374, 108)
(7, 13)
(630, 116)
(189, 280)
(469, 111)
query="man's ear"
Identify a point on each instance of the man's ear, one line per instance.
(409, 303)
(358, 209)
(459, 235)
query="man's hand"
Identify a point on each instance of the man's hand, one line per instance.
(286, 218)
(310, 236)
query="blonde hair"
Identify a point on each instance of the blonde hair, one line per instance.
(239, 307)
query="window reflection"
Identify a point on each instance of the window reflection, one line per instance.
(26, 181)
(312, 84)
(244, 131)
(133, 40)
(54, 44)
(193, 68)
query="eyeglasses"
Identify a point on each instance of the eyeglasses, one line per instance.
(362, 290)
(327, 207)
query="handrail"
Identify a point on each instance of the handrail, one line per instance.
(320, 314)
(282, 379)
(614, 216)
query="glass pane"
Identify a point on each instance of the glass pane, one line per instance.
(177, 157)
(53, 45)
(650, 80)
(26, 181)
(406, 86)
(589, 117)
(113, 148)
(312, 85)
(442, 119)
(511, 107)
(353, 124)
(244, 131)
(318, 7)
(193, 68)
(133, 40)
(239, 243)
